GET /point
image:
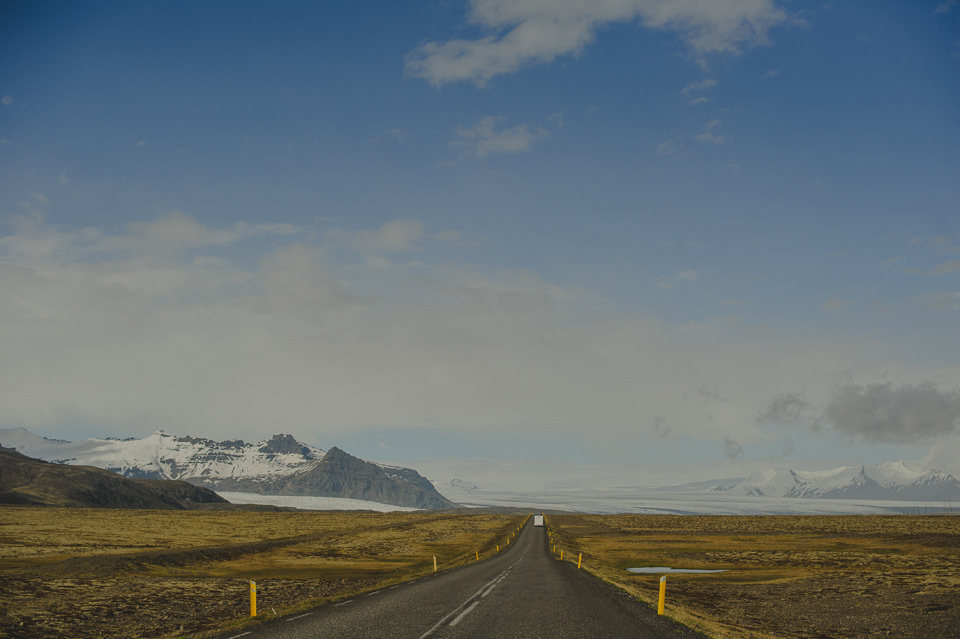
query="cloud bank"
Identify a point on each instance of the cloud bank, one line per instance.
(487, 138)
(522, 33)
(248, 329)
(878, 412)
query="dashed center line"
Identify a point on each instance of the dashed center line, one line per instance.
(464, 613)
(473, 600)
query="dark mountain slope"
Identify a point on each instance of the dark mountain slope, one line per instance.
(339, 474)
(24, 480)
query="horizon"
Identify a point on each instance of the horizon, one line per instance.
(681, 237)
(500, 479)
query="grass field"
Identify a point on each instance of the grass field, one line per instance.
(812, 577)
(137, 573)
(83, 573)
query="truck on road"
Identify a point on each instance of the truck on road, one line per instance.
(538, 520)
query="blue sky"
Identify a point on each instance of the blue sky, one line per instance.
(622, 230)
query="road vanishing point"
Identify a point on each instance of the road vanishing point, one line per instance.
(520, 592)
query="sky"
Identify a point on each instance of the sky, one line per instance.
(697, 234)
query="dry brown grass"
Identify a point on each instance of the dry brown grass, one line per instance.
(816, 576)
(134, 573)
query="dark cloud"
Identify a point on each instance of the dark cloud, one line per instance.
(731, 448)
(660, 426)
(708, 394)
(885, 413)
(789, 409)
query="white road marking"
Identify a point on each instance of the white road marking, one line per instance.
(474, 598)
(464, 613)
(300, 616)
(343, 603)
(242, 634)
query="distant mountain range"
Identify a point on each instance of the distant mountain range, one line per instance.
(28, 481)
(903, 481)
(278, 466)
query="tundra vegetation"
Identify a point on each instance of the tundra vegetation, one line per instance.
(149, 573)
(78, 572)
(786, 576)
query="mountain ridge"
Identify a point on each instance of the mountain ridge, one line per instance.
(280, 465)
(885, 481)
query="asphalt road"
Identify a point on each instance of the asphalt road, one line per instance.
(521, 592)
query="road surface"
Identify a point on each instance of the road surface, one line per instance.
(521, 592)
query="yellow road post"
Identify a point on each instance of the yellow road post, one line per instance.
(253, 599)
(579, 560)
(663, 595)
(434, 563)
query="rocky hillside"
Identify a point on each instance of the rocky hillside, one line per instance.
(339, 474)
(199, 460)
(24, 480)
(280, 465)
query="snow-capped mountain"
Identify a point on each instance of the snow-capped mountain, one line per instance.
(904, 481)
(165, 456)
(456, 488)
(278, 466)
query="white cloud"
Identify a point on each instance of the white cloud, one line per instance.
(275, 228)
(672, 281)
(772, 73)
(947, 267)
(170, 234)
(836, 304)
(486, 138)
(945, 244)
(175, 232)
(891, 261)
(7, 100)
(697, 87)
(940, 301)
(940, 270)
(448, 236)
(708, 136)
(299, 340)
(669, 148)
(393, 237)
(527, 32)
(945, 7)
